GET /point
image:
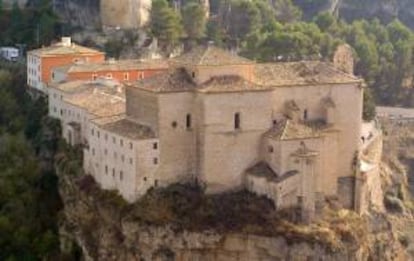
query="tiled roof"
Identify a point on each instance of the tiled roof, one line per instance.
(177, 80)
(60, 49)
(125, 127)
(119, 65)
(288, 130)
(72, 86)
(102, 102)
(262, 169)
(300, 73)
(210, 56)
(230, 83)
(174, 80)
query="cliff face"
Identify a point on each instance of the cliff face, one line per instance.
(89, 14)
(82, 13)
(105, 230)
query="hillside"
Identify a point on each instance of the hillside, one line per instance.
(350, 10)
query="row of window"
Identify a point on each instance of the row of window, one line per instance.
(115, 155)
(114, 139)
(32, 59)
(126, 76)
(188, 122)
(121, 175)
(33, 71)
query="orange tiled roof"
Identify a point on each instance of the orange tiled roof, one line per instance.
(60, 49)
(119, 65)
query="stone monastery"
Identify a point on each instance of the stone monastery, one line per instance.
(288, 131)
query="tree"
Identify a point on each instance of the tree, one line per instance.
(239, 18)
(286, 12)
(368, 112)
(194, 21)
(165, 24)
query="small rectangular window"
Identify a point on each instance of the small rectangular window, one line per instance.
(98, 134)
(121, 175)
(237, 121)
(92, 132)
(126, 76)
(106, 169)
(188, 121)
(155, 161)
(130, 161)
(155, 145)
(113, 173)
(130, 145)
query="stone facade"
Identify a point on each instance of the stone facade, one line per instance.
(289, 131)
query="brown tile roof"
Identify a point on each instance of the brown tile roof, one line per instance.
(230, 83)
(60, 49)
(119, 65)
(177, 80)
(101, 101)
(210, 56)
(71, 86)
(300, 73)
(262, 169)
(289, 130)
(125, 127)
(174, 80)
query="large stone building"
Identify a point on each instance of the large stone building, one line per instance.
(288, 131)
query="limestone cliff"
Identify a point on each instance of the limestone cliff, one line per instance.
(79, 13)
(106, 228)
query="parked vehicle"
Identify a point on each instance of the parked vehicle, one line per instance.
(9, 53)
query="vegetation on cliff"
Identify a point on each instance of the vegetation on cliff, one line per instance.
(29, 200)
(31, 27)
(185, 207)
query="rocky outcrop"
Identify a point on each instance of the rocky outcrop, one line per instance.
(105, 230)
(79, 13)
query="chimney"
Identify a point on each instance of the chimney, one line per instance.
(66, 41)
